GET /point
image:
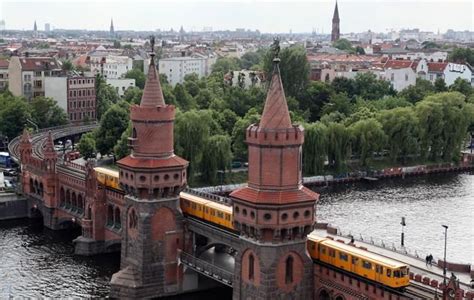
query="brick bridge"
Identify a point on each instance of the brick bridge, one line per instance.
(164, 252)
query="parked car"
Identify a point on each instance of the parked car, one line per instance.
(10, 172)
(236, 164)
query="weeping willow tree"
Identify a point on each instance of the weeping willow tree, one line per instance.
(191, 132)
(367, 137)
(338, 139)
(217, 156)
(315, 148)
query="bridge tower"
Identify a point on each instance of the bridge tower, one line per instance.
(152, 177)
(274, 212)
(26, 150)
(48, 178)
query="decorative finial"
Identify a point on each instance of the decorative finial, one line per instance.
(152, 43)
(276, 49)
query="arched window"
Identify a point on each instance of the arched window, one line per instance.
(289, 270)
(134, 133)
(110, 215)
(41, 189)
(62, 197)
(32, 188)
(117, 221)
(74, 201)
(251, 266)
(68, 199)
(80, 204)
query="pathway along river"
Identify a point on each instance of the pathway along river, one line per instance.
(37, 262)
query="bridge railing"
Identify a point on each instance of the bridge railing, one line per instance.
(206, 268)
(382, 244)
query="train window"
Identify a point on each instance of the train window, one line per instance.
(366, 264)
(188, 204)
(194, 205)
(378, 269)
(213, 212)
(404, 271)
(313, 246)
(207, 210)
(323, 250)
(343, 256)
(396, 274)
(220, 215)
(354, 260)
(389, 273)
(332, 253)
(227, 217)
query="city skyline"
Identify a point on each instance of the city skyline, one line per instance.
(301, 16)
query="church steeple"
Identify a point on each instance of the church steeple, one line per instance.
(335, 33)
(112, 31)
(35, 28)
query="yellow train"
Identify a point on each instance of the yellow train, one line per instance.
(207, 210)
(108, 177)
(367, 264)
(352, 259)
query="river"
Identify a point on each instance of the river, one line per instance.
(37, 262)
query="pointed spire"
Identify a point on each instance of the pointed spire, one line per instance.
(35, 28)
(48, 151)
(275, 113)
(152, 93)
(336, 13)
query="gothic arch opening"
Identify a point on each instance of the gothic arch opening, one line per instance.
(324, 295)
(289, 270)
(117, 218)
(62, 197)
(80, 204)
(340, 298)
(68, 199)
(74, 201)
(110, 215)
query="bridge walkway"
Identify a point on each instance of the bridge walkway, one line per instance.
(417, 265)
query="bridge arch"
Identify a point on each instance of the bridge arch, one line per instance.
(323, 294)
(340, 297)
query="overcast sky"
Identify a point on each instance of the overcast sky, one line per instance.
(267, 16)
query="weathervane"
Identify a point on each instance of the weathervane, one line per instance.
(152, 43)
(276, 49)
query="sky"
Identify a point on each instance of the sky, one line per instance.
(273, 16)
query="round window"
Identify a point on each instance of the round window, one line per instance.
(296, 215)
(267, 216)
(252, 215)
(156, 178)
(307, 213)
(284, 216)
(176, 176)
(167, 177)
(142, 178)
(237, 209)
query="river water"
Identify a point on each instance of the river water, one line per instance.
(37, 262)
(375, 210)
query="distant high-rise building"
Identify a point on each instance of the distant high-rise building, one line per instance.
(112, 31)
(335, 25)
(47, 27)
(35, 28)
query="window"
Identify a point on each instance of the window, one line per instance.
(389, 273)
(38, 83)
(406, 77)
(392, 77)
(323, 250)
(220, 215)
(378, 269)
(354, 260)
(366, 264)
(251, 266)
(343, 256)
(289, 270)
(38, 74)
(396, 274)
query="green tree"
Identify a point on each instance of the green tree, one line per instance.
(315, 148)
(121, 149)
(294, 69)
(239, 133)
(227, 119)
(343, 44)
(112, 125)
(316, 96)
(250, 59)
(417, 92)
(183, 98)
(67, 65)
(461, 85)
(226, 64)
(105, 96)
(462, 56)
(86, 145)
(133, 95)
(191, 134)
(402, 129)
(14, 112)
(139, 77)
(369, 87)
(338, 103)
(344, 85)
(217, 156)
(45, 112)
(338, 139)
(440, 85)
(367, 137)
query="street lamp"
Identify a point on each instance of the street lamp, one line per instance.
(444, 263)
(403, 233)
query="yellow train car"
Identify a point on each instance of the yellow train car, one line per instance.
(366, 264)
(192, 205)
(219, 214)
(108, 177)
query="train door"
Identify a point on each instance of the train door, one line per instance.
(378, 273)
(354, 264)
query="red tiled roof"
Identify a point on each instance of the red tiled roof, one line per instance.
(4, 63)
(275, 197)
(38, 63)
(398, 64)
(275, 113)
(150, 163)
(436, 67)
(348, 58)
(152, 93)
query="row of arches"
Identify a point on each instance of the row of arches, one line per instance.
(114, 219)
(71, 201)
(282, 234)
(36, 187)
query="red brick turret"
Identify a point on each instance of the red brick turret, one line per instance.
(275, 212)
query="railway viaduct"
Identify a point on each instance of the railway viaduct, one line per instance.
(161, 249)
